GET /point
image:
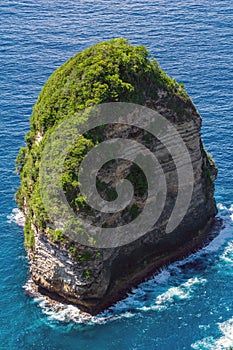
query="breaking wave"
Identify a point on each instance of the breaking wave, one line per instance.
(224, 342)
(17, 217)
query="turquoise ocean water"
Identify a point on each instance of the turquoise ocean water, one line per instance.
(189, 305)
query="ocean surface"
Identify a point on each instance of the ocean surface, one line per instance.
(189, 305)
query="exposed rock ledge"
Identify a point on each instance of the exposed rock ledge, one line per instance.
(62, 279)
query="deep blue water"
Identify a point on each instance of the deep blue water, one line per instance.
(190, 304)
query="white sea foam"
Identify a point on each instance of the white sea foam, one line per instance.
(227, 330)
(207, 343)
(223, 343)
(220, 240)
(167, 299)
(184, 291)
(162, 277)
(67, 313)
(57, 311)
(122, 309)
(30, 289)
(225, 211)
(221, 206)
(16, 217)
(227, 255)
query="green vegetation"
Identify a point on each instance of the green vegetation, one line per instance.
(138, 180)
(29, 240)
(56, 235)
(131, 212)
(207, 172)
(86, 256)
(106, 72)
(206, 168)
(87, 273)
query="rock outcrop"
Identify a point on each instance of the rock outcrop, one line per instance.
(94, 278)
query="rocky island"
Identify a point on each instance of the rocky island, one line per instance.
(95, 277)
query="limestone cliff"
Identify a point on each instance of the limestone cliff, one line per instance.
(94, 278)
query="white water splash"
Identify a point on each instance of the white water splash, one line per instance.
(60, 312)
(66, 313)
(174, 294)
(221, 206)
(226, 211)
(17, 217)
(227, 255)
(223, 343)
(219, 241)
(227, 330)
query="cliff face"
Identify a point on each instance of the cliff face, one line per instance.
(94, 278)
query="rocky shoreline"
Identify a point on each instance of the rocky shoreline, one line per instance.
(57, 303)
